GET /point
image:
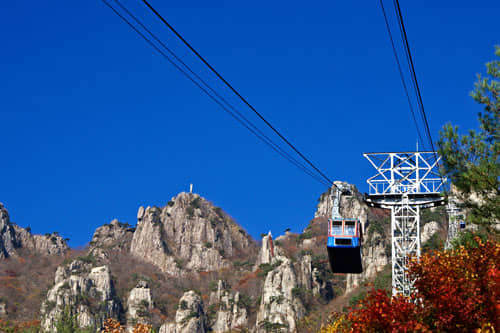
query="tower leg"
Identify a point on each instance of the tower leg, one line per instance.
(405, 225)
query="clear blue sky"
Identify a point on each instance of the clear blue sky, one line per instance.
(94, 124)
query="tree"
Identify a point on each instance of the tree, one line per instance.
(457, 291)
(472, 162)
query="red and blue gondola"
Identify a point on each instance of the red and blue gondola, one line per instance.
(344, 245)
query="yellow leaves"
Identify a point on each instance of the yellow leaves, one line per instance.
(113, 326)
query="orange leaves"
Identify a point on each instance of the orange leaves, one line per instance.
(113, 326)
(458, 290)
(460, 286)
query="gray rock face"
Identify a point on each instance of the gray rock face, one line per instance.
(8, 242)
(231, 314)
(280, 305)
(139, 303)
(375, 259)
(428, 231)
(115, 235)
(266, 252)
(3, 309)
(13, 238)
(190, 316)
(188, 234)
(83, 293)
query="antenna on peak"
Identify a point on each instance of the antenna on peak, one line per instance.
(191, 188)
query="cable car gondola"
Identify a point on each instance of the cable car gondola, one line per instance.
(344, 237)
(344, 245)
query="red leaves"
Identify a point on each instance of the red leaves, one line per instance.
(457, 291)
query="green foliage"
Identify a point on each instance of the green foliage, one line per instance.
(170, 203)
(266, 268)
(190, 212)
(219, 212)
(383, 280)
(434, 243)
(303, 252)
(67, 324)
(245, 301)
(213, 222)
(241, 263)
(144, 303)
(65, 285)
(263, 235)
(179, 263)
(88, 259)
(378, 226)
(213, 285)
(272, 327)
(468, 239)
(196, 202)
(50, 305)
(305, 235)
(192, 314)
(300, 292)
(356, 298)
(183, 305)
(472, 161)
(437, 214)
(207, 245)
(212, 312)
(278, 299)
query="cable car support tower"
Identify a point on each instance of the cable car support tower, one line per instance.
(405, 182)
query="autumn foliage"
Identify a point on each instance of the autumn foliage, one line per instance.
(458, 291)
(113, 326)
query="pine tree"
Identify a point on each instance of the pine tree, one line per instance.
(472, 162)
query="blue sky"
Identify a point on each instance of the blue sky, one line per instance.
(94, 124)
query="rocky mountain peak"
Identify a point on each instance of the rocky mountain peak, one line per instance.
(188, 234)
(14, 238)
(116, 235)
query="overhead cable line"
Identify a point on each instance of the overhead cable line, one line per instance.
(222, 102)
(415, 82)
(401, 72)
(412, 71)
(235, 91)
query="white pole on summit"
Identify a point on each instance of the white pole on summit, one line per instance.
(191, 188)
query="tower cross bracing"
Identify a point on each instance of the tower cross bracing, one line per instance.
(405, 182)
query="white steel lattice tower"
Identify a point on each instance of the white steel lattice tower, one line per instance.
(405, 182)
(453, 213)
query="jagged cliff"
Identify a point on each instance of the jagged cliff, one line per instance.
(188, 267)
(83, 296)
(14, 238)
(188, 234)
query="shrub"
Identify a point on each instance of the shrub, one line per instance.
(305, 235)
(190, 212)
(457, 290)
(245, 301)
(300, 292)
(196, 202)
(207, 245)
